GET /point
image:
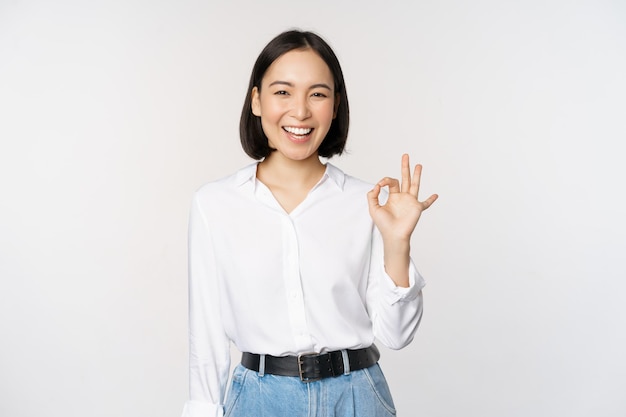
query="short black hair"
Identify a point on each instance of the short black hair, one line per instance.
(253, 139)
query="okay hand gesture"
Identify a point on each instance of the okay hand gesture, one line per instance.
(397, 218)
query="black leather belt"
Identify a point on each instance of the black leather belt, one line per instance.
(313, 366)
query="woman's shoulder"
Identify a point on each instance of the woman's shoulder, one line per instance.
(230, 182)
(352, 184)
(349, 182)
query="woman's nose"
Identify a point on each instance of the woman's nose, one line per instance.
(301, 109)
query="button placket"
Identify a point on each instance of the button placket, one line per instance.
(293, 285)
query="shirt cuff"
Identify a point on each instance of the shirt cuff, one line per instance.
(393, 294)
(202, 409)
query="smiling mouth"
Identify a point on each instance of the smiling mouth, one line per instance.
(298, 132)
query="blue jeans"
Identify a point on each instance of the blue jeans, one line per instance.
(362, 393)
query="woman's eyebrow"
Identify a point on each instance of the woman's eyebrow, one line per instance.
(321, 85)
(288, 84)
(281, 83)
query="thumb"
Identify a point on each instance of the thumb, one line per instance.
(372, 199)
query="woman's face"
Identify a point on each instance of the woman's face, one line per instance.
(296, 103)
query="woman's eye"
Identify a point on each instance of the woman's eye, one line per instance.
(281, 93)
(319, 95)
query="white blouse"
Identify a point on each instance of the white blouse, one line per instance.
(280, 283)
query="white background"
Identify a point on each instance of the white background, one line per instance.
(113, 112)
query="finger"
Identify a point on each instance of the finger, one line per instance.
(392, 183)
(372, 198)
(415, 181)
(406, 173)
(429, 201)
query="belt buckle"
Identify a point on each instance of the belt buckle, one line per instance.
(300, 363)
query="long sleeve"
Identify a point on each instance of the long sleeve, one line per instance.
(395, 312)
(209, 351)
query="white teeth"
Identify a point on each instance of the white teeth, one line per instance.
(300, 131)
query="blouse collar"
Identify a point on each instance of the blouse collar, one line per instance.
(248, 174)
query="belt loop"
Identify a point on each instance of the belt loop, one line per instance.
(261, 365)
(346, 361)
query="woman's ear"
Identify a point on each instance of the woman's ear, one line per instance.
(336, 105)
(256, 102)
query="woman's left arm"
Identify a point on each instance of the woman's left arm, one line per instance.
(397, 218)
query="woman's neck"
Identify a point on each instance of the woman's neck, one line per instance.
(275, 169)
